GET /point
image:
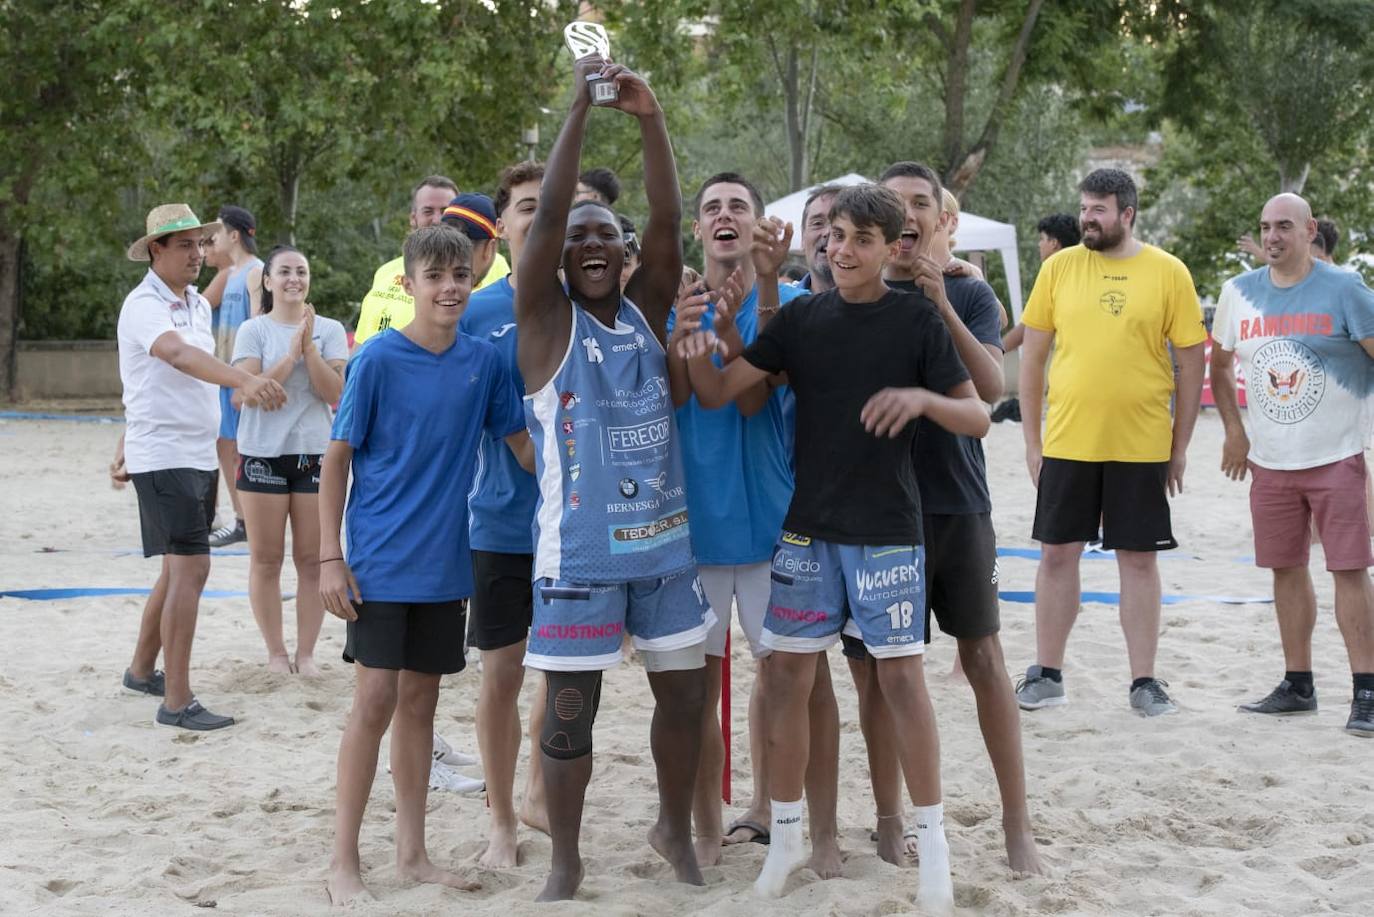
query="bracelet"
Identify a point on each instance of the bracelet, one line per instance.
(328, 559)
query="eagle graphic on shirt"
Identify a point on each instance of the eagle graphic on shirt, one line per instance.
(1284, 387)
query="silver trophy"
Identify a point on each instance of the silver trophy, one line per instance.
(585, 39)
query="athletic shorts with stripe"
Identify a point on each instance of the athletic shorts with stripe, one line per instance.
(873, 592)
(579, 627)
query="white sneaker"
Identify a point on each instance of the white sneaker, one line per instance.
(445, 754)
(442, 777)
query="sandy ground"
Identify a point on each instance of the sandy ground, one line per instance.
(1208, 812)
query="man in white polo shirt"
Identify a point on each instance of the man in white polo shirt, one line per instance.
(171, 406)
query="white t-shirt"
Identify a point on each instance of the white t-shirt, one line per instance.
(301, 426)
(1308, 381)
(172, 418)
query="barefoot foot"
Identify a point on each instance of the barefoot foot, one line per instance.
(425, 872)
(825, 858)
(345, 885)
(306, 667)
(891, 844)
(502, 851)
(563, 882)
(677, 850)
(534, 815)
(280, 664)
(1022, 856)
(707, 851)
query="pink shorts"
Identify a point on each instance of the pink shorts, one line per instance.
(1282, 504)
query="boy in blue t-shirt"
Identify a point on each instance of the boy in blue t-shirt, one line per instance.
(415, 405)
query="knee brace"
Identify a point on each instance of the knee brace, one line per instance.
(573, 699)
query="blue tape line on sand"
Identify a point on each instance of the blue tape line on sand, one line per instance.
(1034, 554)
(48, 595)
(1114, 598)
(77, 418)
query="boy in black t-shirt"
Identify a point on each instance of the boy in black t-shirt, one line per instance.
(864, 362)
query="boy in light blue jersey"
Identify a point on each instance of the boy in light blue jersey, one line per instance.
(738, 463)
(612, 549)
(501, 507)
(415, 404)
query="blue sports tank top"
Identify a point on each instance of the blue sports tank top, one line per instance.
(234, 306)
(612, 506)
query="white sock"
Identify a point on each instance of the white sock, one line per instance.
(936, 887)
(786, 851)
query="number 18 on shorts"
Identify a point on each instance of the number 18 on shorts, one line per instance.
(818, 589)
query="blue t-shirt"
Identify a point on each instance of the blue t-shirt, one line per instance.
(739, 469)
(414, 420)
(501, 505)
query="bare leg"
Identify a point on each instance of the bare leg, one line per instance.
(498, 738)
(186, 575)
(1140, 597)
(884, 769)
(266, 524)
(791, 677)
(823, 773)
(1355, 615)
(758, 812)
(706, 795)
(305, 554)
(534, 812)
(999, 717)
(150, 628)
(675, 738)
(374, 700)
(1295, 606)
(412, 746)
(228, 451)
(1057, 595)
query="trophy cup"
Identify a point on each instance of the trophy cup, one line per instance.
(585, 39)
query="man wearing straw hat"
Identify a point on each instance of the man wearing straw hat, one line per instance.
(171, 405)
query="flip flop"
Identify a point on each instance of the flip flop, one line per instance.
(743, 824)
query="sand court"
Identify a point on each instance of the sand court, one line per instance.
(1206, 812)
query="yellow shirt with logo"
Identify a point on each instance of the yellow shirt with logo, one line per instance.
(1111, 378)
(388, 304)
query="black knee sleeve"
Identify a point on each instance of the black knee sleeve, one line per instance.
(573, 698)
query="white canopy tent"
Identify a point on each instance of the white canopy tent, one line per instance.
(976, 234)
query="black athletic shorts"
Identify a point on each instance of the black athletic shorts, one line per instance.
(420, 636)
(176, 507)
(283, 474)
(502, 599)
(1130, 499)
(961, 579)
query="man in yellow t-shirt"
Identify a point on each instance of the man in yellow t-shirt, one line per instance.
(387, 304)
(1112, 453)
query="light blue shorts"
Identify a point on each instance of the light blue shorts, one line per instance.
(579, 628)
(228, 415)
(819, 588)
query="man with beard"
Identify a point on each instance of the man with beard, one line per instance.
(1111, 307)
(815, 237)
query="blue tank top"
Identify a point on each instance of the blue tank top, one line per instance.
(234, 306)
(612, 506)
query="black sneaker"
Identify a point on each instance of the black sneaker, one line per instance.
(155, 684)
(1283, 701)
(193, 716)
(1361, 722)
(226, 535)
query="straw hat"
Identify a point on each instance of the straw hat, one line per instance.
(165, 219)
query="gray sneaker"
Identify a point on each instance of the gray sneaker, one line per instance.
(1036, 691)
(1150, 699)
(155, 684)
(1361, 722)
(1283, 701)
(193, 716)
(226, 535)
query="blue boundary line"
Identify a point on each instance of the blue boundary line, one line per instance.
(75, 418)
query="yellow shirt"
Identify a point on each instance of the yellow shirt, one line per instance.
(1112, 376)
(388, 303)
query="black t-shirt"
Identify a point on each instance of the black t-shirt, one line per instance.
(853, 487)
(950, 469)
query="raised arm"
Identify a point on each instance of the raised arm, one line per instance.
(715, 387)
(655, 284)
(542, 310)
(984, 361)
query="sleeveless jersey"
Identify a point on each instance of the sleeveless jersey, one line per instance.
(612, 505)
(234, 306)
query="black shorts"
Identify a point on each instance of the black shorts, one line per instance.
(1130, 499)
(961, 579)
(421, 636)
(283, 474)
(176, 507)
(502, 599)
